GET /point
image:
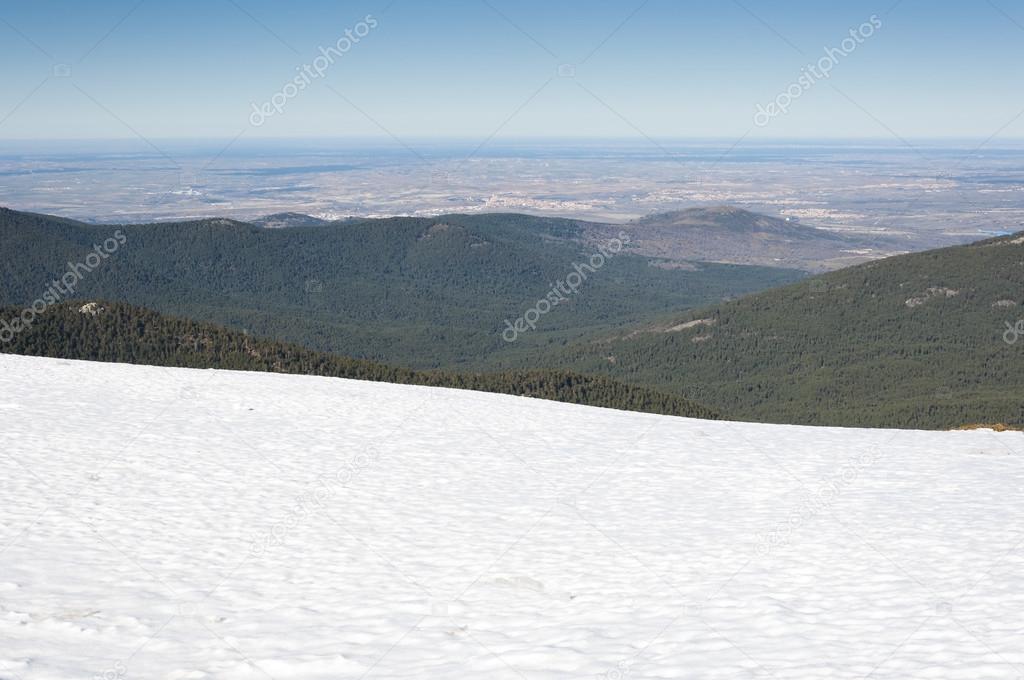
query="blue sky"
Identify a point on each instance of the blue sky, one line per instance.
(472, 69)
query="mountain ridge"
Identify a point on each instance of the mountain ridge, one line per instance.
(424, 292)
(914, 340)
(115, 332)
(734, 235)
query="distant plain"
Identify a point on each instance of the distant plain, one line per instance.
(928, 194)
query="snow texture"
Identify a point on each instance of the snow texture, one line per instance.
(172, 523)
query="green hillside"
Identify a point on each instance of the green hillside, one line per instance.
(122, 333)
(412, 291)
(908, 341)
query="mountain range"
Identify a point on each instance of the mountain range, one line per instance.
(920, 340)
(924, 340)
(722, 234)
(732, 235)
(421, 292)
(117, 332)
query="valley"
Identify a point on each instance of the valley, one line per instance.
(418, 292)
(913, 340)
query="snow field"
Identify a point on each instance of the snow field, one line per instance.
(173, 523)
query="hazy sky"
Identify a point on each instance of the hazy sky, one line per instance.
(510, 68)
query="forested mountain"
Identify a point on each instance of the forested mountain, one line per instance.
(412, 291)
(909, 341)
(927, 340)
(289, 219)
(116, 332)
(737, 236)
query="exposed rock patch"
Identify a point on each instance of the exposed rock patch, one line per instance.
(930, 294)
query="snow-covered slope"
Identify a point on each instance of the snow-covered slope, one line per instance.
(169, 523)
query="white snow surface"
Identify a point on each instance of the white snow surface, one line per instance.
(173, 523)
